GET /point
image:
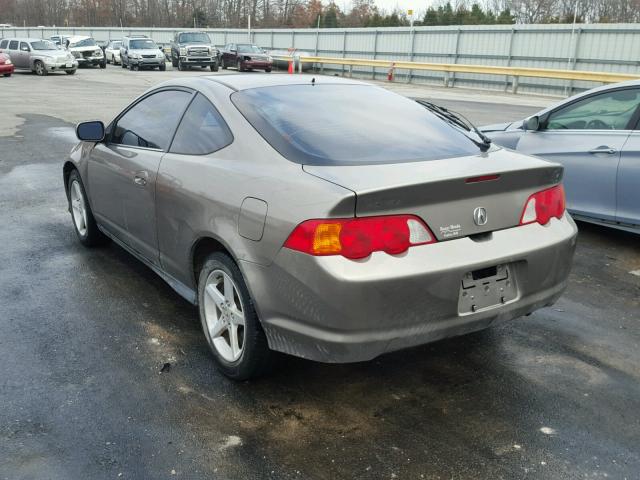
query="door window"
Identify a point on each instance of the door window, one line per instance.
(202, 130)
(606, 111)
(4, 43)
(24, 47)
(151, 122)
(13, 45)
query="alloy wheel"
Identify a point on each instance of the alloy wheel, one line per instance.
(224, 315)
(78, 208)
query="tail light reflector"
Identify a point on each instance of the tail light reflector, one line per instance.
(359, 237)
(543, 206)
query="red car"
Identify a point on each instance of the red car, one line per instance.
(6, 67)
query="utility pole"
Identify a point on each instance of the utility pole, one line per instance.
(249, 27)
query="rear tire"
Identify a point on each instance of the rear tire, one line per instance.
(83, 222)
(70, 72)
(239, 66)
(103, 64)
(226, 307)
(268, 70)
(174, 62)
(214, 67)
(6, 75)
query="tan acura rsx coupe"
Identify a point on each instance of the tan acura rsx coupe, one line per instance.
(321, 217)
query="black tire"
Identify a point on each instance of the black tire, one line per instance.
(223, 64)
(268, 70)
(122, 64)
(40, 68)
(71, 72)
(6, 75)
(162, 67)
(181, 66)
(214, 67)
(174, 62)
(103, 64)
(256, 357)
(239, 66)
(92, 236)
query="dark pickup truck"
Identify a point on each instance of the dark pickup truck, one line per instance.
(193, 49)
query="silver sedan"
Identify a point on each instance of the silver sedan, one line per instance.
(595, 136)
(324, 218)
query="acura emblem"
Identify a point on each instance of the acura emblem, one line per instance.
(480, 216)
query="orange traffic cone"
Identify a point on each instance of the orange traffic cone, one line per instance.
(290, 66)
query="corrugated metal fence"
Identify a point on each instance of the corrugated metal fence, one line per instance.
(601, 47)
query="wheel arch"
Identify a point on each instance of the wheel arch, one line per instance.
(68, 167)
(204, 246)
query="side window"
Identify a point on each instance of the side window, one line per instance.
(24, 47)
(202, 130)
(151, 122)
(607, 111)
(13, 45)
(4, 43)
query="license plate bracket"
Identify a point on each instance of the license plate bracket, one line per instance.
(486, 288)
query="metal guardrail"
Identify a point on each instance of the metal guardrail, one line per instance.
(448, 68)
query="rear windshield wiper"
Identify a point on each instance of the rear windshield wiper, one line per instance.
(459, 120)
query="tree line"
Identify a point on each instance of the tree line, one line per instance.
(306, 13)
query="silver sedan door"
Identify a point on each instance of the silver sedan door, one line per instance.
(587, 136)
(123, 170)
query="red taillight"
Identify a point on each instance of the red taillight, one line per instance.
(359, 237)
(543, 206)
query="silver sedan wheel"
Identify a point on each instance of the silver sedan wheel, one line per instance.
(78, 208)
(224, 315)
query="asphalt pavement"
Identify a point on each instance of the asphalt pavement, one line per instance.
(84, 335)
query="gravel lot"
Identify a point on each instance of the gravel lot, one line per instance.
(84, 334)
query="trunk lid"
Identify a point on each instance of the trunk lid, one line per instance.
(446, 193)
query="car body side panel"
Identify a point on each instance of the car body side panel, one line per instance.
(628, 192)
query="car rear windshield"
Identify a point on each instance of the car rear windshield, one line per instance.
(194, 38)
(43, 45)
(349, 125)
(142, 44)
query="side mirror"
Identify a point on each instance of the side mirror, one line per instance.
(531, 123)
(90, 131)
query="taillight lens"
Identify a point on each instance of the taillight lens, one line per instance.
(543, 206)
(359, 237)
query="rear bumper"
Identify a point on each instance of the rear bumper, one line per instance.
(332, 309)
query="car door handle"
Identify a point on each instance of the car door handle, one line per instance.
(140, 178)
(604, 149)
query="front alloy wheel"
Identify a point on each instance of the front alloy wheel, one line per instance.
(85, 225)
(229, 320)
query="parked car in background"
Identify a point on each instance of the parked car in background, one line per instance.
(595, 135)
(139, 51)
(60, 40)
(245, 56)
(86, 51)
(6, 65)
(112, 52)
(193, 49)
(38, 55)
(367, 225)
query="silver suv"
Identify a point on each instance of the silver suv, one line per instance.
(139, 51)
(38, 55)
